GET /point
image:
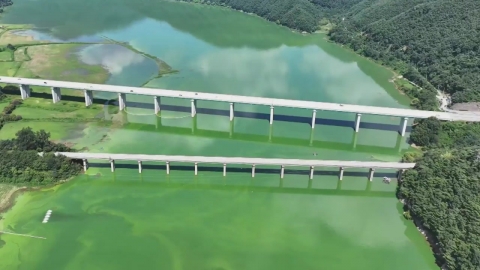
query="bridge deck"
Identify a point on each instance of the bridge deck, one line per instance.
(240, 160)
(470, 117)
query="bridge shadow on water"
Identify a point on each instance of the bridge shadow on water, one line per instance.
(158, 127)
(12, 90)
(280, 188)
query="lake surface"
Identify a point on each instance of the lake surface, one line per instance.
(127, 220)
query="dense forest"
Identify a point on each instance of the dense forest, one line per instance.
(21, 163)
(435, 43)
(442, 192)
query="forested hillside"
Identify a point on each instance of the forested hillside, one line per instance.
(442, 195)
(438, 40)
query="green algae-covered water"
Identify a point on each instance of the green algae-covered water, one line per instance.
(127, 220)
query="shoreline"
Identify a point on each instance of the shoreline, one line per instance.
(427, 234)
(7, 201)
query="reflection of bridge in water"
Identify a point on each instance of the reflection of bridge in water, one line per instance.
(279, 188)
(154, 124)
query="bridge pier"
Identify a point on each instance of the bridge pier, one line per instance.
(232, 105)
(122, 101)
(400, 174)
(157, 103)
(253, 170)
(112, 165)
(357, 122)
(311, 172)
(314, 118)
(404, 126)
(85, 165)
(139, 166)
(56, 94)
(340, 177)
(282, 171)
(194, 107)
(168, 167)
(224, 169)
(88, 97)
(196, 168)
(370, 174)
(271, 115)
(25, 91)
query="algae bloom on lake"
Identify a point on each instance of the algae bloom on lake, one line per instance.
(127, 220)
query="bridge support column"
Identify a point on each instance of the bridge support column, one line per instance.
(157, 102)
(400, 174)
(168, 167)
(311, 172)
(253, 170)
(357, 122)
(88, 97)
(341, 173)
(194, 107)
(404, 126)
(232, 107)
(56, 94)
(122, 101)
(314, 118)
(271, 115)
(112, 165)
(85, 165)
(282, 171)
(196, 168)
(370, 174)
(139, 166)
(224, 169)
(25, 91)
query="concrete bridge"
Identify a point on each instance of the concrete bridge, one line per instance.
(157, 94)
(253, 162)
